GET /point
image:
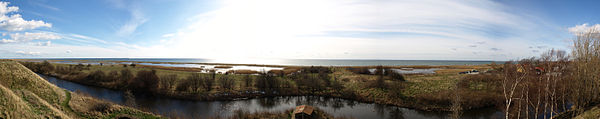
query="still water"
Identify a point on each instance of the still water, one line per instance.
(203, 109)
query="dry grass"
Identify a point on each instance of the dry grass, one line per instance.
(189, 69)
(593, 113)
(13, 107)
(224, 66)
(243, 71)
(23, 94)
(36, 93)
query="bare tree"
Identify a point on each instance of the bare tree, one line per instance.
(586, 56)
(513, 75)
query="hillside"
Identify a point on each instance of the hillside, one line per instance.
(23, 94)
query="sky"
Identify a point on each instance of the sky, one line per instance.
(292, 29)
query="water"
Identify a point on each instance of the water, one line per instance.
(218, 70)
(202, 109)
(295, 62)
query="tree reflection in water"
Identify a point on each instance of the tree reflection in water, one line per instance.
(396, 113)
(380, 109)
(336, 104)
(268, 102)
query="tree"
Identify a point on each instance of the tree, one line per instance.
(586, 60)
(394, 75)
(112, 76)
(248, 81)
(456, 107)
(267, 82)
(96, 76)
(145, 81)
(45, 67)
(512, 77)
(325, 77)
(126, 76)
(226, 82)
(166, 81)
(378, 83)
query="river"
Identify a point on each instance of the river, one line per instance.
(203, 109)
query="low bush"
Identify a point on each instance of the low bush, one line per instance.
(360, 70)
(101, 107)
(226, 82)
(96, 76)
(146, 80)
(316, 69)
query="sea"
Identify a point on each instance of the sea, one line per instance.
(293, 62)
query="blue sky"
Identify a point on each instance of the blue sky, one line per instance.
(306, 29)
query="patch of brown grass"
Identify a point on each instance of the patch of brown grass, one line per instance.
(190, 69)
(224, 66)
(243, 71)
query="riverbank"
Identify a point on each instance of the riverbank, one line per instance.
(421, 91)
(23, 94)
(171, 107)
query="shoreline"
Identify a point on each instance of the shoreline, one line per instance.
(209, 97)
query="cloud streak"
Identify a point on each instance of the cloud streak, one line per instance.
(27, 36)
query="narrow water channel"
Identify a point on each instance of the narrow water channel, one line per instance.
(203, 109)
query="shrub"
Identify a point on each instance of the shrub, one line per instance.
(378, 83)
(394, 75)
(166, 81)
(226, 82)
(207, 82)
(361, 70)
(316, 69)
(185, 85)
(248, 81)
(126, 76)
(396, 89)
(266, 81)
(46, 67)
(101, 107)
(96, 76)
(325, 77)
(112, 76)
(379, 70)
(145, 81)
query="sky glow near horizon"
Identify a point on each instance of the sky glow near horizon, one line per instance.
(292, 29)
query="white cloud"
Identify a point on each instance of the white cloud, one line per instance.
(136, 19)
(62, 50)
(26, 37)
(426, 29)
(27, 53)
(15, 22)
(85, 39)
(47, 43)
(168, 35)
(583, 28)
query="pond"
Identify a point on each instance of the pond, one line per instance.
(203, 109)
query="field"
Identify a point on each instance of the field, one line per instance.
(23, 94)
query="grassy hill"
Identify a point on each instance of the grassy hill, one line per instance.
(23, 94)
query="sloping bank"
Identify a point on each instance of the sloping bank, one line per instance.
(23, 94)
